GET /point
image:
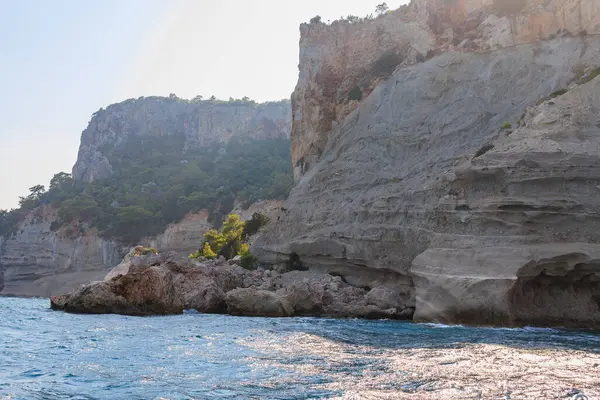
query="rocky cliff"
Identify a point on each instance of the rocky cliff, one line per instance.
(37, 261)
(343, 62)
(468, 176)
(202, 124)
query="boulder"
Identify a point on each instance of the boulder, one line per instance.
(155, 285)
(258, 303)
(305, 297)
(145, 290)
(57, 303)
(207, 298)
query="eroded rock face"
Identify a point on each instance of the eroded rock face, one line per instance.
(538, 183)
(202, 124)
(423, 163)
(37, 261)
(544, 285)
(342, 62)
(183, 237)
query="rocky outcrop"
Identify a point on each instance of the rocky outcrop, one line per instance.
(202, 123)
(343, 62)
(169, 284)
(37, 261)
(422, 162)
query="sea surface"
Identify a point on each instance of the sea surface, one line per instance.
(53, 355)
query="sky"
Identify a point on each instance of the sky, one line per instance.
(62, 60)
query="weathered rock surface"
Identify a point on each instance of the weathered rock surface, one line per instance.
(422, 162)
(536, 184)
(169, 284)
(202, 124)
(257, 303)
(183, 237)
(342, 56)
(37, 261)
(545, 285)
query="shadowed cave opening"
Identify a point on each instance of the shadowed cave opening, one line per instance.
(560, 294)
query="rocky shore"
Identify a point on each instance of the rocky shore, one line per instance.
(168, 284)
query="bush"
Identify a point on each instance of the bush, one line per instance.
(249, 260)
(207, 252)
(144, 251)
(254, 224)
(385, 65)
(590, 76)
(557, 93)
(355, 94)
(316, 20)
(506, 125)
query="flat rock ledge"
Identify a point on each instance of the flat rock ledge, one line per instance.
(168, 284)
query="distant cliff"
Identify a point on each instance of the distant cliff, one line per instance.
(201, 123)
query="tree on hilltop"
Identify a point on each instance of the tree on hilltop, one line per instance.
(382, 9)
(316, 20)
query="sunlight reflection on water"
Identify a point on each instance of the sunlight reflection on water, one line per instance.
(49, 354)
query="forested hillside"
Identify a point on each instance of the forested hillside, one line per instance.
(158, 179)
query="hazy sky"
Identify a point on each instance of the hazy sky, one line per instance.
(62, 60)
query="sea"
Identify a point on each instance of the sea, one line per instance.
(46, 354)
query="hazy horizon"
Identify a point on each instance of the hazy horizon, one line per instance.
(66, 59)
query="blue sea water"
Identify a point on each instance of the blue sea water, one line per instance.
(54, 355)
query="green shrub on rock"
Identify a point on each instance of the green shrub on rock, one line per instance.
(355, 94)
(248, 260)
(253, 225)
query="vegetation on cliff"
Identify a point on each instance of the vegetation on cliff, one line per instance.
(380, 10)
(232, 240)
(157, 181)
